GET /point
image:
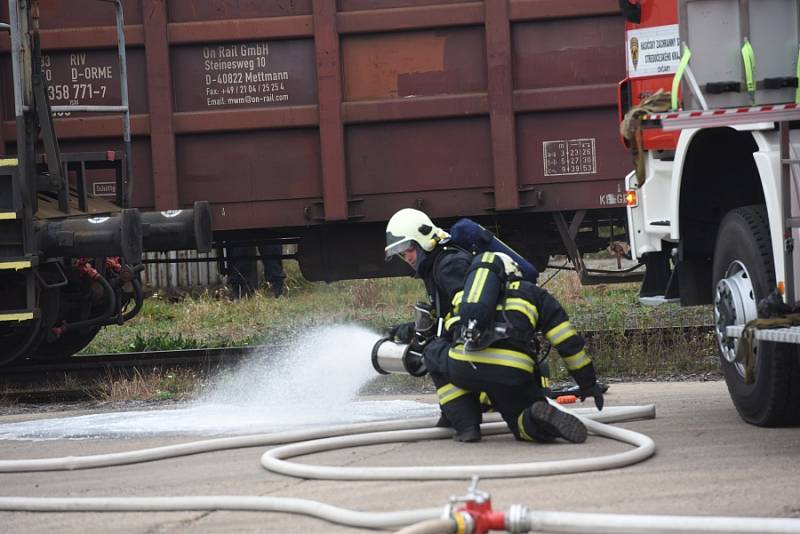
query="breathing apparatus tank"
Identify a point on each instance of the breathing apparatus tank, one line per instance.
(486, 279)
(474, 238)
(484, 290)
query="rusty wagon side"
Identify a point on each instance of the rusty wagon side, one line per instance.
(317, 119)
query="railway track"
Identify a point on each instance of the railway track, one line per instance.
(85, 368)
(34, 382)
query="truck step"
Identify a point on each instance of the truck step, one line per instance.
(789, 334)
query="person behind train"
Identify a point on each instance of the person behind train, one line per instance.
(243, 270)
(273, 267)
(504, 369)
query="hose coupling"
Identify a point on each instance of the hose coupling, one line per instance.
(473, 512)
(85, 268)
(517, 519)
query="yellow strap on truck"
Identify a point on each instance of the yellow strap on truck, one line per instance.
(797, 91)
(749, 62)
(676, 80)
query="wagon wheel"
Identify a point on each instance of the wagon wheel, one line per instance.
(66, 345)
(19, 340)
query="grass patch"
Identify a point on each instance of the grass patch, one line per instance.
(153, 384)
(213, 319)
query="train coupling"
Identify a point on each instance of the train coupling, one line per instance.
(127, 234)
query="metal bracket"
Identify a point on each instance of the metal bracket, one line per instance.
(587, 276)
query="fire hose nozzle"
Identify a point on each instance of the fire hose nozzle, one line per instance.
(389, 357)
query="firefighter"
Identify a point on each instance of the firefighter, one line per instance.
(514, 390)
(411, 235)
(490, 346)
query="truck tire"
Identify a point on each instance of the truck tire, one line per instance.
(744, 273)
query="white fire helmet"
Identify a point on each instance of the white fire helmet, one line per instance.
(409, 226)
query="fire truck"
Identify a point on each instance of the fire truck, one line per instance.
(709, 109)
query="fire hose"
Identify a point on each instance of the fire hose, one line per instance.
(471, 513)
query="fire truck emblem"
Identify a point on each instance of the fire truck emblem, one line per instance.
(634, 46)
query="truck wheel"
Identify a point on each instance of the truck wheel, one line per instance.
(744, 273)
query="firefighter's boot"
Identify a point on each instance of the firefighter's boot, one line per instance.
(443, 422)
(557, 423)
(470, 434)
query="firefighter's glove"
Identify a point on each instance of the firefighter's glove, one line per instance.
(435, 355)
(402, 333)
(596, 391)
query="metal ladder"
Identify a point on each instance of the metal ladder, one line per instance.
(16, 260)
(34, 94)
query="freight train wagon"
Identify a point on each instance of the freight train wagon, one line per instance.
(312, 121)
(317, 119)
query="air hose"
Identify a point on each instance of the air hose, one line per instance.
(518, 519)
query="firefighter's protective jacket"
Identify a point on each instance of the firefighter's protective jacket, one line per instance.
(444, 272)
(527, 309)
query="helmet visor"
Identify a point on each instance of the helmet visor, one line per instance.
(397, 245)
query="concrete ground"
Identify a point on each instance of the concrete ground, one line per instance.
(708, 462)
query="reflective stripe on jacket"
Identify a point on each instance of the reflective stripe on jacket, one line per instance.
(494, 356)
(528, 309)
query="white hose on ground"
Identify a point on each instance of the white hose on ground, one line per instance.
(68, 463)
(540, 521)
(581, 523)
(407, 430)
(240, 503)
(275, 504)
(431, 526)
(272, 460)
